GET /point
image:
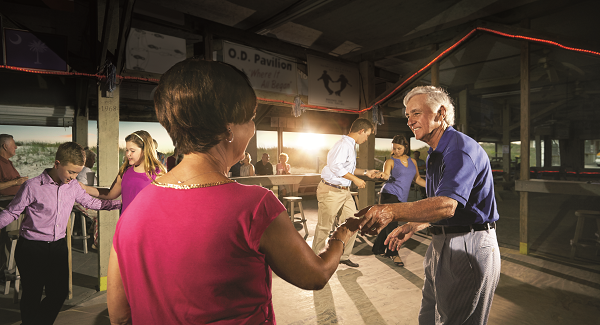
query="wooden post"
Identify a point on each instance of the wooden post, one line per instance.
(463, 108)
(524, 249)
(80, 122)
(80, 130)
(506, 142)
(253, 150)
(208, 47)
(435, 74)
(70, 252)
(108, 168)
(279, 142)
(547, 151)
(538, 150)
(366, 151)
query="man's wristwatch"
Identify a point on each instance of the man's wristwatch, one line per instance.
(365, 172)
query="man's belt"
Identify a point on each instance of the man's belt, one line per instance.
(336, 186)
(438, 230)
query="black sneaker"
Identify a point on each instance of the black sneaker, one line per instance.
(349, 263)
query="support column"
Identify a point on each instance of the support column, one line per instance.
(462, 104)
(208, 46)
(108, 168)
(435, 74)
(524, 206)
(80, 130)
(80, 122)
(506, 142)
(253, 150)
(366, 151)
(538, 150)
(547, 151)
(279, 142)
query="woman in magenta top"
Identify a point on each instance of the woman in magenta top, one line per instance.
(139, 169)
(185, 252)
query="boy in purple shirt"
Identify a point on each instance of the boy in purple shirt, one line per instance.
(41, 253)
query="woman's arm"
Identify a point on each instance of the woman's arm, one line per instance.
(118, 306)
(388, 165)
(293, 260)
(14, 182)
(103, 193)
(252, 170)
(420, 181)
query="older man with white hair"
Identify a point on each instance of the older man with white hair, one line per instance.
(462, 263)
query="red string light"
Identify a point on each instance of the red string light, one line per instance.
(393, 92)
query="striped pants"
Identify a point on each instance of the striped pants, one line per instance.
(461, 274)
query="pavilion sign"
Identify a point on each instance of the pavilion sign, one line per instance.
(332, 84)
(266, 71)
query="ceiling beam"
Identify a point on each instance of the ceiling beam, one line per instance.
(123, 31)
(156, 25)
(294, 11)
(258, 41)
(110, 18)
(429, 59)
(527, 32)
(510, 30)
(408, 44)
(444, 32)
(541, 113)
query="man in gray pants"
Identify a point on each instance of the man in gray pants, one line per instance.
(462, 264)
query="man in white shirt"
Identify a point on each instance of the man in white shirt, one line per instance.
(333, 192)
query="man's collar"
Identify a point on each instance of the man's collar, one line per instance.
(349, 138)
(443, 143)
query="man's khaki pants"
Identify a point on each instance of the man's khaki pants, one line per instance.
(331, 200)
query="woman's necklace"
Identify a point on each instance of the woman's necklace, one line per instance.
(403, 159)
(181, 186)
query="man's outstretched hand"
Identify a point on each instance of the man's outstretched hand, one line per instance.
(399, 236)
(375, 218)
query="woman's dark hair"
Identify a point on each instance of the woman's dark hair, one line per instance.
(196, 99)
(401, 140)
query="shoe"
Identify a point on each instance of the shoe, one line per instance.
(397, 260)
(349, 263)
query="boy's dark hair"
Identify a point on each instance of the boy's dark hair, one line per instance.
(70, 152)
(361, 124)
(196, 99)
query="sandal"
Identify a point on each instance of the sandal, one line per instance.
(397, 260)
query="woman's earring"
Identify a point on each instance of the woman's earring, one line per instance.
(231, 136)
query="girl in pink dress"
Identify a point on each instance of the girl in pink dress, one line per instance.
(196, 247)
(140, 168)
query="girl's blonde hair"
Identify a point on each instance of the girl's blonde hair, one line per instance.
(285, 155)
(152, 165)
(247, 155)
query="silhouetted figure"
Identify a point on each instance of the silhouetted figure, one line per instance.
(326, 79)
(344, 82)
